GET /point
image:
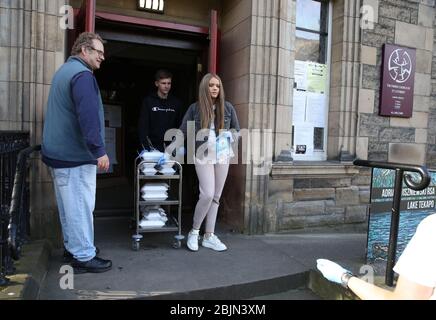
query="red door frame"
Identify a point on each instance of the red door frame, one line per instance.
(152, 23)
(90, 7)
(213, 38)
(86, 15)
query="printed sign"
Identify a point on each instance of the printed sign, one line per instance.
(316, 77)
(414, 207)
(398, 81)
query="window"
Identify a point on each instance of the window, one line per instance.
(311, 72)
(311, 34)
(151, 5)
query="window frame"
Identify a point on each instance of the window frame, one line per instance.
(320, 155)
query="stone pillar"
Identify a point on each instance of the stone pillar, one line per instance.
(345, 77)
(270, 109)
(32, 47)
(258, 77)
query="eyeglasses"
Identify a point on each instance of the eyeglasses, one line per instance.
(100, 53)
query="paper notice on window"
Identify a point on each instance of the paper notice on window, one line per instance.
(300, 74)
(303, 136)
(316, 77)
(316, 109)
(299, 110)
(112, 114)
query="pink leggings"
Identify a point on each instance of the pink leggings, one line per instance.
(211, 178)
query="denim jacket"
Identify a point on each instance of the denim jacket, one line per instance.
(231, 122)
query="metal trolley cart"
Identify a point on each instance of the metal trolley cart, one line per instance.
(174, 199)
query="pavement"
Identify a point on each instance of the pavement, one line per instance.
(271, 266)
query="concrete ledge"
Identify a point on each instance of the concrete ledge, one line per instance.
(312, 170)
(30, 272)
(328, 290)
(331, 291)
(239, 291)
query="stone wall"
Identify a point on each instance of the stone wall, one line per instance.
(319, 196)
(31, 49)
(406, 23)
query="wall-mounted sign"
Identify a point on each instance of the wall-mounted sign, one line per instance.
(398, 81)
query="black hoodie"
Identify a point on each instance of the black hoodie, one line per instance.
(157, 116)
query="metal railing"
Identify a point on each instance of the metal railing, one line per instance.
(400, 169)
(14, 198)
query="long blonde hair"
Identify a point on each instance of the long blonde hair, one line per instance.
(205, 103)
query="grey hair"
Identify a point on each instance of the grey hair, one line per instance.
(84, 40)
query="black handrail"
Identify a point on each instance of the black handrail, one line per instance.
(399, 168)
(11, 143)
(18, 228)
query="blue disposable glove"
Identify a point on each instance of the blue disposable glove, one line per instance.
(181, 151)
(226, 134)
(143, 151)
(331, 270)
(162, 160)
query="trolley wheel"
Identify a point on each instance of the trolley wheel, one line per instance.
(177, 244)
(135, 245)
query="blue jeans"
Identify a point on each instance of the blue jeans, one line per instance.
(75, 196)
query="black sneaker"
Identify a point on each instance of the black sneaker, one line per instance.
(95, 265)
(68, 257)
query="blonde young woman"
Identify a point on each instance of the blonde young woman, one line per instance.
(216, 127)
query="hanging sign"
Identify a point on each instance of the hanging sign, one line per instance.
(398, 81)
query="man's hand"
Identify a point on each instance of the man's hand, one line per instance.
(103, 163)
(331, 270)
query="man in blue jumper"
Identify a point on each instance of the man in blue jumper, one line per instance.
(73, 148)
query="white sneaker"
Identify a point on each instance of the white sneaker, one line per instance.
(213, 243)
(192, 241)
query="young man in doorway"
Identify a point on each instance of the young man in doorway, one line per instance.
(160, 112)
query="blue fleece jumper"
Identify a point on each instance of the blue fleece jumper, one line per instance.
(74, 122)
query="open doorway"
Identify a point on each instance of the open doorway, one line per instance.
(125, 78)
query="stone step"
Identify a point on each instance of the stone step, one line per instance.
(30, 272)
(302, 293)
